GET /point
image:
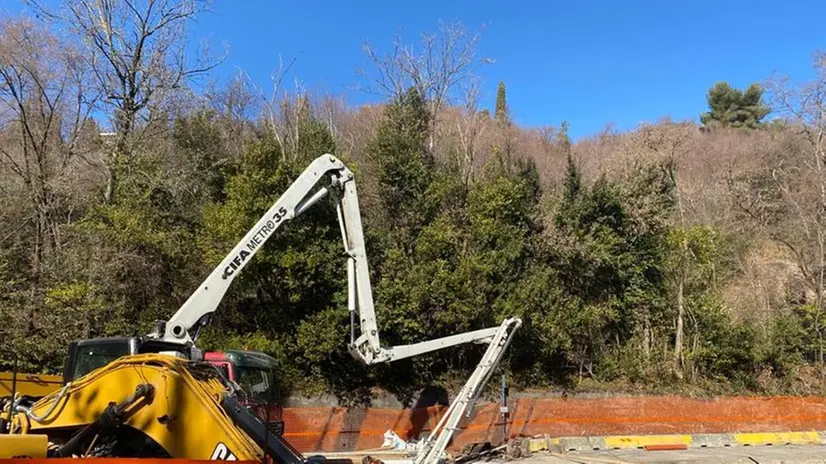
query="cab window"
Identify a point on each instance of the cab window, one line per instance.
(258, 383)
(91, 357)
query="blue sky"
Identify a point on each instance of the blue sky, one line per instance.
(588, 62)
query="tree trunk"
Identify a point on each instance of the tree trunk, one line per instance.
(819, 301)
(695, 342)
(119, 154)
(111, 180)
(646, 338)
(678, 336)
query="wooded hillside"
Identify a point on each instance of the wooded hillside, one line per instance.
(677, 256)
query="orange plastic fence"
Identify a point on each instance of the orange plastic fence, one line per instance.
(340, 429)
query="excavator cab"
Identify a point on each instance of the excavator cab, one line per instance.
(87, 355)
(84, 356)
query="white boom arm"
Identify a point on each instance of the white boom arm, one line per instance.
(434, 445)
(325, 175)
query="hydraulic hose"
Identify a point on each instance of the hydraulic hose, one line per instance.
(32, 416)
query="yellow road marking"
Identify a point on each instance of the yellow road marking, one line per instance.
(781, 438)
(639, 441)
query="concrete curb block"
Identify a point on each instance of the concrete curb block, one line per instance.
(703, 440)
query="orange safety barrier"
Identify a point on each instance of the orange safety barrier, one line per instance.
(342, 429)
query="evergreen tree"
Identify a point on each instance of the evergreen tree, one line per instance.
(563, 138)
(403, 165)
(573, 180)
(199, 141)
(610, 247)
(732, 107)
(501, 111)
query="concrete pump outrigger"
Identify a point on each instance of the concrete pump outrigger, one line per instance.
(73, 418)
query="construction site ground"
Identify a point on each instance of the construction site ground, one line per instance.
(792, 454)
(767, 454)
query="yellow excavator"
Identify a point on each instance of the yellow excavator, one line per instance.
(147, 405)
(157, 396)
(253, 371)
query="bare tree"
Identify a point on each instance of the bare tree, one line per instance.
(276, 103)
(238, 104)
(137, 51)
(435, 67)
(470, 125)
(235, 100)
(44, 108)
(332, 110)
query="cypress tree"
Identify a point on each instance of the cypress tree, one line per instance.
(501, 111)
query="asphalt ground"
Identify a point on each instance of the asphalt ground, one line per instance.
(788, 454)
